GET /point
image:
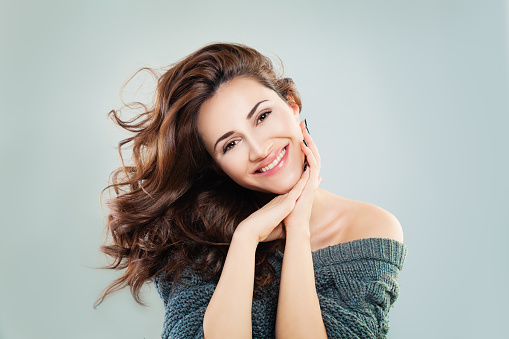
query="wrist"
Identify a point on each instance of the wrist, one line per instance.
(242, 236)
(300, 233)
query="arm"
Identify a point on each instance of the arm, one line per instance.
(356, 286)
(228, 314)
(298, 312)
(197, 308)
(357, 309)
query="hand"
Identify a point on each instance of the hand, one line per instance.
(298, 219)
(266, 223)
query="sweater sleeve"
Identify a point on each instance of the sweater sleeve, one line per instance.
(357, 284)
(185, 303)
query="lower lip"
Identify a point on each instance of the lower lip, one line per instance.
(279, 166)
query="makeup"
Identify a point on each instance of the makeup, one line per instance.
(275, 164)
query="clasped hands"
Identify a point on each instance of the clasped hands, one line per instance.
(287, 213)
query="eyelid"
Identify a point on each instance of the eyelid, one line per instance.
(256, 117)
(267, 110)
(225, 145)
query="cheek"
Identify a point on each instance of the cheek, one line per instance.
(289, 124)
(229, 171)
(232, 167)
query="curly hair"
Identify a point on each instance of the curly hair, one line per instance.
(172, 207)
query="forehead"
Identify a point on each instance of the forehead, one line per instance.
(236, 94)
(230, 107)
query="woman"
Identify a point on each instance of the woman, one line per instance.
(221, 209)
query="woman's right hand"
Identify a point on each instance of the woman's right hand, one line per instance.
(266, 223)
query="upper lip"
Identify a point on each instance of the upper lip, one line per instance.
(269, 159)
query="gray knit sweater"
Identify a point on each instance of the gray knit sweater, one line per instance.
(356, 283)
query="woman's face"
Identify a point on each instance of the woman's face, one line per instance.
(253, 135)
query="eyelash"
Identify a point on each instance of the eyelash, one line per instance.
(263, 113)
(228, 146)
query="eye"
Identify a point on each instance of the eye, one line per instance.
(262, 116)
(228, 146)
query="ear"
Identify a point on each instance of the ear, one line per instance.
(293, 105)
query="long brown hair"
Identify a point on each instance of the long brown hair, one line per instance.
(172, 206)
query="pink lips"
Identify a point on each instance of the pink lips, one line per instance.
(270, 159)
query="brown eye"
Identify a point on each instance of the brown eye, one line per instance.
(263, 116)
(229, 146)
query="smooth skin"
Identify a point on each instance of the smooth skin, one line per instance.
(313, 218)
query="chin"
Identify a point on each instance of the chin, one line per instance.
(283, 189)
(284, 185)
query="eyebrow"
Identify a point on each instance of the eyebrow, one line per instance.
(227, 134)
(254, 110)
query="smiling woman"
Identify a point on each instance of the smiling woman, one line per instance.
(222, 209)
(261, 149)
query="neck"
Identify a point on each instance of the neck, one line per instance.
(319, 204)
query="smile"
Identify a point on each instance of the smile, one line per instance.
(275, 162)
(275, 165)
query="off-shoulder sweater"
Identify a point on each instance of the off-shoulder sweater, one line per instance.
(356, 284)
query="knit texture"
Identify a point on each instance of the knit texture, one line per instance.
(356, 284)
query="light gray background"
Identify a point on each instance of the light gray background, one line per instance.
(407, 101)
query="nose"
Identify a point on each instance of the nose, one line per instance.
(258, 148)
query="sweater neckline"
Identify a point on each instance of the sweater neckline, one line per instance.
(383, 249)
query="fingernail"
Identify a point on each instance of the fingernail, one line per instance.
(305, 143)
(306, 123)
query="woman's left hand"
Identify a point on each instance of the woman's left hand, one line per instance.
(298, 219)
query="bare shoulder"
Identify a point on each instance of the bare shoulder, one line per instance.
(338, 219)
(371, 221)
(365, 220)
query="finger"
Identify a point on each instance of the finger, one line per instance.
(296, 191)
(281, 206)
(277, 233)
(284, 203)
(314, 169)
(309, 140)
(310, 158)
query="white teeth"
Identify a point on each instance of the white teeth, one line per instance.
(275, 162)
